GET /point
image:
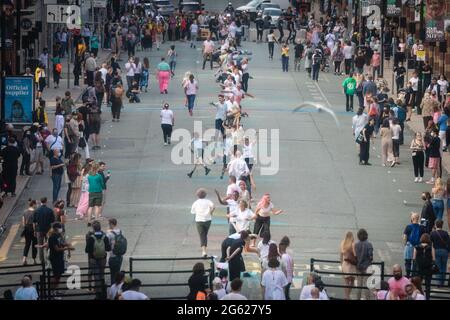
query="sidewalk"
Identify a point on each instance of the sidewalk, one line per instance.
(416, 123)
(49, 94)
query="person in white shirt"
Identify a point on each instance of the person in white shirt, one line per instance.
(396, 130)
(104, 71)
(235, 293)
(243, 217)
(287, 264)
(238, 167)
(198, 150)
(359, 121)
(232, 186)
(190, 89)
(133, 292)
(313, 282)
(221, 114)
(263, 247)
(167, 123)
(203, 210)
(54, 142)
(330, 40)
(116, 288)
(412, 294)
(59, 122)
(130, 68)
(348, 57)
(273, 282)
(194, 33)
(231, 201)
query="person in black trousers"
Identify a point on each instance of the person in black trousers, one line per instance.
(10, 156)
(28, 232)
(417, 147)
(365, 144)
(236, 263)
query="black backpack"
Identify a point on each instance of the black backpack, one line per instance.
(424, 258)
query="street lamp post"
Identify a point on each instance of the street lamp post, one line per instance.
(420, 88)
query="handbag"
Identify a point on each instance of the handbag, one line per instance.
(82, 143)
(360, 138)
(434, 269)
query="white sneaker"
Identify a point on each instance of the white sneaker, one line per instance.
(420, 180)
(165, 143)
(416, 180)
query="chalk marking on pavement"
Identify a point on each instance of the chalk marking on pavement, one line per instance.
(393, 180)
(323, 95)
(399, 190)
(8, 242)
(325, 77)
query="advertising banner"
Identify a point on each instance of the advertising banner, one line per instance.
(18, 100)
(435, 20)
(393, 8)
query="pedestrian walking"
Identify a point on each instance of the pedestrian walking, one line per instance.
(285, 57)
(271, 40)
(208, 49)
(197, 148)
(308, 58)
(163, 76)
(29, 232)
(316, 63)
(74, 183)
(42, 219)
(349, 86)
(203, 210)
(57, 167)
(172, 57)
(396, 131)
(190, 89)
(386, 143)
(117, 102)
(364, 138)
(167, 123)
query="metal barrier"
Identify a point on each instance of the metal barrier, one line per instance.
(434, 292)
(11, 276)
(134, 271)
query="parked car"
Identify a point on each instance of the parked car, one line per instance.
(192, 7)
(164, 7)
(274, 14)
(251, 8)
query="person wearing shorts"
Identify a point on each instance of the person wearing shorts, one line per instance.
(198, 151)
(434, 151)
(96, 187)
(94, 125)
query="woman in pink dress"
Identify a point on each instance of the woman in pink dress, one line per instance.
(83, 204)
(163, 76)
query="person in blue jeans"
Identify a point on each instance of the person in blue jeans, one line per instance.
(57, 166)
(441, 245)
(442, 124)
(316, 62)
(438, 192)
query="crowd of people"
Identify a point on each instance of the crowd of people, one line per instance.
(320, 44)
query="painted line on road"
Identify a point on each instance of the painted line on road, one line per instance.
(4, 250)
(323, 95)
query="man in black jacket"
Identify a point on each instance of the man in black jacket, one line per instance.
(10, 156)
(43, 219)
(427, 217)
(97, 246)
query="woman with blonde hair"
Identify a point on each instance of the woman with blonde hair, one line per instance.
(417, 148)
(348, 262)
(263, 211)
(438, 192)
(96, 187)
(386, 143)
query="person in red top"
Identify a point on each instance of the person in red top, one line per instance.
(183, 28)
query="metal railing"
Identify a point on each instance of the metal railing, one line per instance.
(433, 291)
(134, 271)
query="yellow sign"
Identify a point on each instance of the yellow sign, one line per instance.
(420, 55)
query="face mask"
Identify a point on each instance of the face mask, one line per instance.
(397, 276)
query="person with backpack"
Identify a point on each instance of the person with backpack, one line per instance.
(411, 237)
(118, 248)
(97, 246)
(424, 261)
(316, 62)
(364, 258)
